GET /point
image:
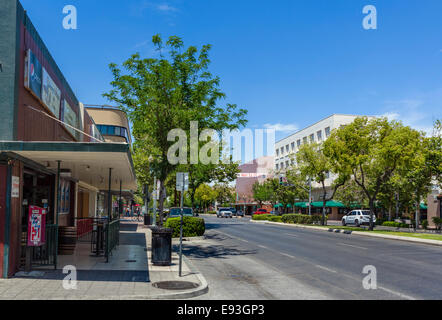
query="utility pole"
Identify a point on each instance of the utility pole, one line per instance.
(154, 223)
(309, 196)
(181, 229)
(397, 205)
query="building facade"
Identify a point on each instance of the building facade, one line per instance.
(52, 155)
(112, 124)
(257, 170)
(286, 149)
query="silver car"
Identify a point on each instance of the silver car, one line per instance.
(224, 213)
(358, 217)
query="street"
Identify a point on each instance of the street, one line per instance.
(244, 260)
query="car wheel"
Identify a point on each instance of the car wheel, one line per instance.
(357, 223)
(343, 223)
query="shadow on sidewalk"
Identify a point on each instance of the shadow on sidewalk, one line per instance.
(221, 251)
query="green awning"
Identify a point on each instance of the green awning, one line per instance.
(423, 206)
(278, 205)
(328, 204)
(301, 204)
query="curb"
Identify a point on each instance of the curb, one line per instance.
(375, 235)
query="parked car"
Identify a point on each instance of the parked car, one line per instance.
(358, 217)
(240, 213)
(175, 212)
(260, 211)
(224, 213)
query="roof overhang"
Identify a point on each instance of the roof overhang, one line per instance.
(87, 162)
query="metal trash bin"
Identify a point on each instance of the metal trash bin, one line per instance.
(147, 220)
(161, 246)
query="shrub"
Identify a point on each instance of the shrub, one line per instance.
(211, 212)
(275, 218)
(260, 217)
(391, 224)
(192, 226)
(438, 222)
(424, 224)
(302, 218)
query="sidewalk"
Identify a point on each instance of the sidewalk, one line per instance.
(129, 275)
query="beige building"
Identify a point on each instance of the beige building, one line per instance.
(434, 206)
(256, 170)
(112, 123)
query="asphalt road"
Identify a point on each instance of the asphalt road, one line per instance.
(244, 260)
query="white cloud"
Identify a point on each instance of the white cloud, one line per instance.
(282, 127)
(418, 113)
(166, 8)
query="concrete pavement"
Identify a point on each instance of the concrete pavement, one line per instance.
(247, 260)
(129, 275)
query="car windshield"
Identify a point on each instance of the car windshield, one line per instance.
(366, 212)
(176, 212)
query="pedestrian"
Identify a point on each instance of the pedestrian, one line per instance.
(138, 214)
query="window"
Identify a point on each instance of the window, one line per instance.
(282, 151)
(299, 143)
(277, 166)
(287, 164)
(277, 152)
(312, 138)
(327, 132)
(319, 134)
(304, 140)
(282, 165)
(293, 146)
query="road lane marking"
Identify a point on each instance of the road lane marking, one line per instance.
(287, 255)
(350, 245)
(404, 296)
(397, 293)
(325, 268)
(291, 235)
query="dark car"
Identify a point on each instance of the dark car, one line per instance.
(175, 212)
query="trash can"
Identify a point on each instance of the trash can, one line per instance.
(161, 246)
(147, 221)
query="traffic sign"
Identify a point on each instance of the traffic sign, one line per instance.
(182, 181)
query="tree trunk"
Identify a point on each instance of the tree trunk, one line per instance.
(417, 211)
(371, 202)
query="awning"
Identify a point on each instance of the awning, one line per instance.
(328, 204)
(301, 204)
(423, 206)
(87, 162)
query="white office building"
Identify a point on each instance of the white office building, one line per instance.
(286, 148)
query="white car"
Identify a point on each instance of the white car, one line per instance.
(358, 217)
(224, 213)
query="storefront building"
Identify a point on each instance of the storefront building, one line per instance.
(52, 155)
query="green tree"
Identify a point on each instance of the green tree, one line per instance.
(314, 163)
(225, 195)
(205, 195)
(370, 152)
(261, 192)
(166, 93)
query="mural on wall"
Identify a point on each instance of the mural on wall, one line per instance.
(70, 117)
(51, 94)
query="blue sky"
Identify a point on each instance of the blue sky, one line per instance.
(289, 62)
